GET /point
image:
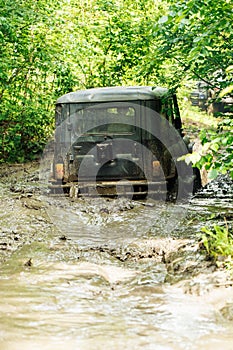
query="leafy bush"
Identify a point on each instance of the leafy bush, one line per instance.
(218, 242)
(217, 153)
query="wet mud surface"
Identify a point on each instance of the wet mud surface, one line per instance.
(98, 273)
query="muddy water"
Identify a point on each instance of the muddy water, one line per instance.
(100, 274)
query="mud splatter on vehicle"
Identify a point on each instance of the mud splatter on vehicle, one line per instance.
(121, 141)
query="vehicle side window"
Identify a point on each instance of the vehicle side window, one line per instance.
(61, 113)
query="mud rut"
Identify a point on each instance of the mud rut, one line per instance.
(39, 242)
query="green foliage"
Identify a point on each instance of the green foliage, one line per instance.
(216, 154)
(111, 41)
(197, 36)
(218, 149)
(29, 77)
(218, 242)
(50, 47)
(24, 132)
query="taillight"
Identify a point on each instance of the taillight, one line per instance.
(59, 171)
(157, 170)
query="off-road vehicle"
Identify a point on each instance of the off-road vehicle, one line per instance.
(119, 140)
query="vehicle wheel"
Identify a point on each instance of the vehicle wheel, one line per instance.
(172, 189)
(197, 185)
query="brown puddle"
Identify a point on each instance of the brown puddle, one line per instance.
(111, 274)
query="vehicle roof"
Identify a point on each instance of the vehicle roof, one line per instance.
(116, 93)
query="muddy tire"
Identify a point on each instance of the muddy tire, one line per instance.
(172, 189)
(197, 185)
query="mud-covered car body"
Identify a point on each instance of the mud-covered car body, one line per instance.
(117, 140)
(206, 98)
(200, 95)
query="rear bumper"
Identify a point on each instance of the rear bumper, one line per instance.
(110, 188)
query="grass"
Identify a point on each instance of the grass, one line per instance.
(218, 243)
(194, 119)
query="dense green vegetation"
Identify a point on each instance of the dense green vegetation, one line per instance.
(52, 47)
(196, 36)
(218, 242)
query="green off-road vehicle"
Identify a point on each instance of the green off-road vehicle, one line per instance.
(120, 141)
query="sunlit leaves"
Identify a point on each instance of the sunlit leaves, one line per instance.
(50, 47)
(27, 73)
(198, 34)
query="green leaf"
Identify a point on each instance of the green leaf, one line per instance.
(215, 146)
(226, 91)
(212, 174)
(163, 20)
(197, 39)
(229, 69)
